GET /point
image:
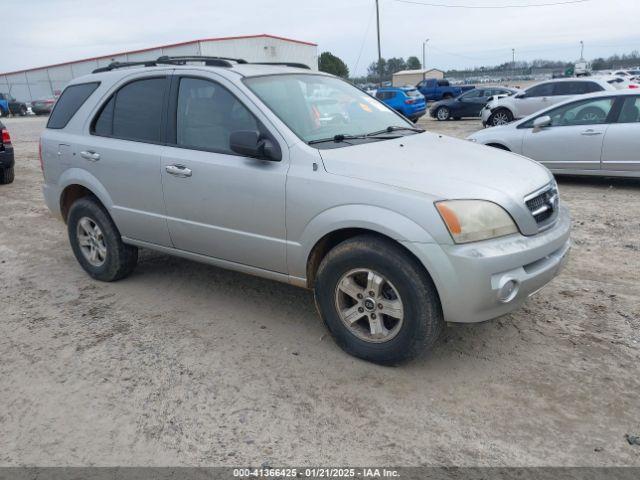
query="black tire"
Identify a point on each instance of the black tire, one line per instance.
(500, 117)
(443, 113)
(590, 115)
(422, 315)
(23, 111)
(120, 259)
(7, 175)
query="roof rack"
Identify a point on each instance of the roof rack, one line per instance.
(284, 64)
(182, 60)
(115, 65)
(209, 61)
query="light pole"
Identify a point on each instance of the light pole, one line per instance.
(379, 49)
(424, 58)
(581, 50)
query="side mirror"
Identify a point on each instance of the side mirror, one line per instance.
(251, 143)
(541, 122)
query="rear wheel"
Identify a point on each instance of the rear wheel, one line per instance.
(7, 175)
(500, 117)
(23, 111)
(443, 114)
(377, 302)
(97, 244)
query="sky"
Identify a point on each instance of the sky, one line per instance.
(42, 32)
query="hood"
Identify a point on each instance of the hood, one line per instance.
(441, 167)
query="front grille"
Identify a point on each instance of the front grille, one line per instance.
(544, 205)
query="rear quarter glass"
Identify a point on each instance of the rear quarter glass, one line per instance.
(69, 102)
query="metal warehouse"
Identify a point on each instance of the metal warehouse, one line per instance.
(45, 82)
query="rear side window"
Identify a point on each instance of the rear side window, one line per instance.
(576, 88)
(69, 103)
(134, 112)
(630, 112)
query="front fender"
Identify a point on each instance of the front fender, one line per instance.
(380, 220)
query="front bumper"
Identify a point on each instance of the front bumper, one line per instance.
(483, 280)
(6, 158)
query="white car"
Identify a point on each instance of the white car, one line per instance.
(598, 134)
(537, 97)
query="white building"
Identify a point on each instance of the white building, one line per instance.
(412, 77)
(44, 82)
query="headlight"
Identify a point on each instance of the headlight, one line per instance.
(474, 220)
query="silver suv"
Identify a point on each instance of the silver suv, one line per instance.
(300, 177)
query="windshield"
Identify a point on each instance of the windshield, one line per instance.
(318, 107)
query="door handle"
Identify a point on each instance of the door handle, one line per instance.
(178, 171)
(590, 133)
(89, 155)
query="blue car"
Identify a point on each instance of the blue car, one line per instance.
(406, 100)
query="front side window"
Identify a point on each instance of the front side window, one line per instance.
(544, 90)
(630, 112)
(292, 96)
(207, 114)
(134, 112)
(69, 103)
(585, 112)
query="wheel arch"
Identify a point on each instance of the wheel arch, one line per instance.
(77, 183)
(338, 224)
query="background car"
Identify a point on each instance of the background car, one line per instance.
(10, 106)
(598, 134)
(437, 89)
(406, 100)
(468, 104)
(539, 96)
(43, 107)
(6, 156)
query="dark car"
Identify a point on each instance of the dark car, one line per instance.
(43, 107)
(9, 105)
(6, 156)
(468, 104)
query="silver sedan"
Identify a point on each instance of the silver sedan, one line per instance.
(598, 134)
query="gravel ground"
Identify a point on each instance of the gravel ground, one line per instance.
(186, 364)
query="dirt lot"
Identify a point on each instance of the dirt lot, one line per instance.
(188, 364)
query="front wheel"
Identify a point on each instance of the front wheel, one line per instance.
(500, 117)
(97, 244)
(443, 114)
(377, 301)
(23, 111)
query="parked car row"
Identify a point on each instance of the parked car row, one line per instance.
(594, 134)
(10, 106)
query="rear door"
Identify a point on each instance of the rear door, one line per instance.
(575, 138)
(471, 103)
(621, 149)
(124, 153)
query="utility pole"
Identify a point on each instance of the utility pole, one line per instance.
(424, 57)
(581, 50)
(513, 58)
(379, 49)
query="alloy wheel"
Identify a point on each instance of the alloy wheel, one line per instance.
(91, 241)
(369, 305)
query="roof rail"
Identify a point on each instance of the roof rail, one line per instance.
(115, 65)
(284, 64)
(209, 61)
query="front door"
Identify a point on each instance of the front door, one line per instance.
(574, 138)
(221, 204)
(621, 149)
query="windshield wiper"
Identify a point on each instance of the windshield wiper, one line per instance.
(342, 137)
(395, 128)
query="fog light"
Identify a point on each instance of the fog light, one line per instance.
(508, 290)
